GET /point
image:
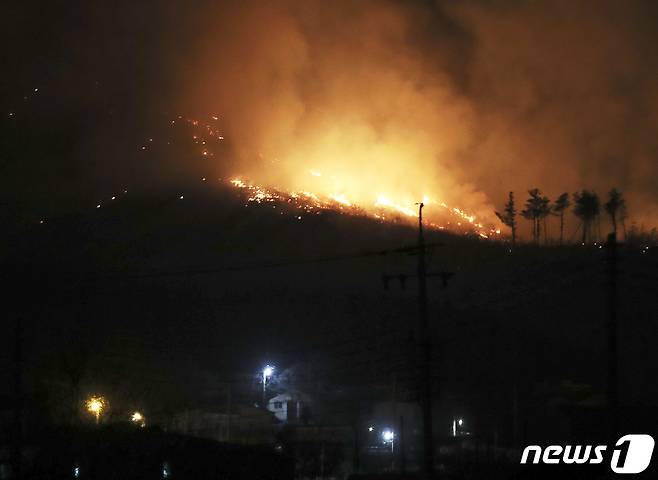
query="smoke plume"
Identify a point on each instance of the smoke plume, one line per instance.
(460, 101)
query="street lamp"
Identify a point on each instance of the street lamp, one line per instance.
(96, 404)
(389, 437)
(138, 419)
(456, 423)
(268, 370)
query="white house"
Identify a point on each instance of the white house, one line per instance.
(289, 407)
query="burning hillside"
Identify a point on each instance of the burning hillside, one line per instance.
(327, 192)
(382, 209)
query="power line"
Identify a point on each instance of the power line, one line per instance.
(97, 276)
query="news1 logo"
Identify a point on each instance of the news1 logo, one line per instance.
(631, 454)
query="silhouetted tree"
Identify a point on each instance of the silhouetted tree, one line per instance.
(508, 216)
(623, 215)
(559, 207)
(615, 207)
(544, 212)
(639, 236)
(587, 208)
(530, 212)
(536, 209)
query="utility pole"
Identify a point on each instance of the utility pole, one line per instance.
(394, 417)
(17, 444)
(613, 360)
(423, 344)
(356, 460)
(425, 355)
(401, 445)
(322, 455)
(228, 411)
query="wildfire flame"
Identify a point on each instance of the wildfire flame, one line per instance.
(382, 207)
(327, 192)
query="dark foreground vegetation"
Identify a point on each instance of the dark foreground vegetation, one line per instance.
(172, 309)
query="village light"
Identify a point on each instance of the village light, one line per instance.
(96, 405)
(138, 419)
(389, 437)
(456, 423)
(268, 370)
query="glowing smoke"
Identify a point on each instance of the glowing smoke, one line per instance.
(463, 101)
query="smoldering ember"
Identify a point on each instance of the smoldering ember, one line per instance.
(356, 239)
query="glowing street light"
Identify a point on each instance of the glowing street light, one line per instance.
(389, 437)
(455, 423)
(268, 371)
(138, 419)
(96, 405)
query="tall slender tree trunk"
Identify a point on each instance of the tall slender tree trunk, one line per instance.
(585, 228)
(561, 227)
(536, 232)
